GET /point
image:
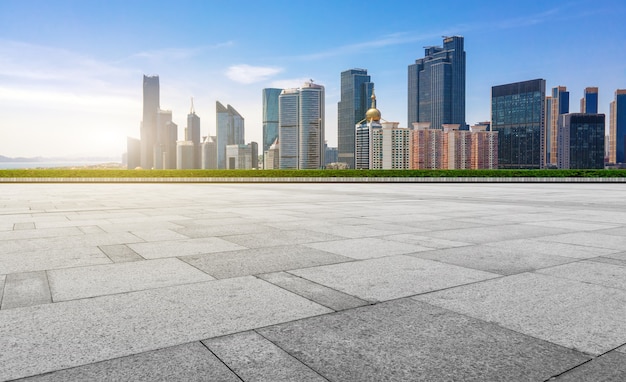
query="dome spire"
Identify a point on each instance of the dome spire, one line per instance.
(373, 114)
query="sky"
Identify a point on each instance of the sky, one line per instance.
(71, 71)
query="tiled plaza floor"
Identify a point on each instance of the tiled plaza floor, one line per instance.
(313, 282)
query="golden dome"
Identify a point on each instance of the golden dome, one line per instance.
(373, 114)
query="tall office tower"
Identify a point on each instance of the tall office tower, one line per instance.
(230, 131)
(617, 129)
(581, 141)
(301, 127)
(169, 156)
(556, 105)
(436, 86)
(517, 114)
(192, 133)
(209, 152)
(148, 134)
(589, 102)
(270, 117)
(356, 90)
(162, 143)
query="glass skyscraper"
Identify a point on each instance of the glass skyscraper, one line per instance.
(301, 127)
(230, 130)
(589, 102)
(436, 85)
(148, 133)
(556, 105)
(617, 130)
(581, 141)
(356, 90)
(517, 114)
(192, 133)
(270, 117)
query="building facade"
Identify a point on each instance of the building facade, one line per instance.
(556, 105)
(270, 116)
(184, 155)
(427, 147)
(242, 157)
(436, 85)
(484, 147)
(301, 127)
(230, 131)
(356, 90)
(589, 102)
(272, 157)
(617, 129)
(192, 133)
(148, 131)
(517, 114)
(209, 152)
(581, 141)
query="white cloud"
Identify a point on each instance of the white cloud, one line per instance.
(248, 74)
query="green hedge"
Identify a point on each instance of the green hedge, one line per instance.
(117, 173)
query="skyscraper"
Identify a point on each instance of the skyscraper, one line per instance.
(436, 86)
(589, 102)
(356, 90)
(301, 127)
(517, 114)
(556, 105)
(230, 131)
(270, 117)
(581, 141)
(192, 133)
(617, 130)
(151, 107)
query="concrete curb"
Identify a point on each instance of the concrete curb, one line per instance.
(316, 180)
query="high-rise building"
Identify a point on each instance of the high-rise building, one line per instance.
(192, 133)
(484, 146)
(556, 105)
(301, 127)
(368, 140)
(427, 147)
(230, 131)
(617, 129)
(133, 153)
(184, 155)
(270, 117)
(151, 107)
(240, 157)
(356, 90)
(272, 157)
(517, 114)
(581, 141)
(589, 102)
(209, 152)
(436, 85)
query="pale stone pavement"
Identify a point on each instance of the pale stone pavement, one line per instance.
(313, 282)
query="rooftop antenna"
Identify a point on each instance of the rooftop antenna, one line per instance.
(193, 110)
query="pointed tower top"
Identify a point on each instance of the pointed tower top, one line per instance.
(373, 114)
(193, 110)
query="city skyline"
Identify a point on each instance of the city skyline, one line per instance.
(72, 85)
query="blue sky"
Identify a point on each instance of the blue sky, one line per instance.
(71, 71)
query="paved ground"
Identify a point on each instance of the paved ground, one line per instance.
(313, 282)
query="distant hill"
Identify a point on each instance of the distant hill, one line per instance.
(20, 159)
(59, 159)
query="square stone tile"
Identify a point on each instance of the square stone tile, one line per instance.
(79, 332)
(590, 239)
(120, 253)
(577, 315)
(23, 226)
(489, 234)
(25, 289)
(155, 250)
(573, 225)
(189, 362)
(366, 248)
(322, 295)
(606, 368)
(405, 340)
(424, 241)
(159, 235)
(43, 259)
(261, 260)
(539, 245)
(609, 275)
(99, 280)
(222, 230)
(254, 358)
(278, 238)
(393, 277)
(504, 261)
